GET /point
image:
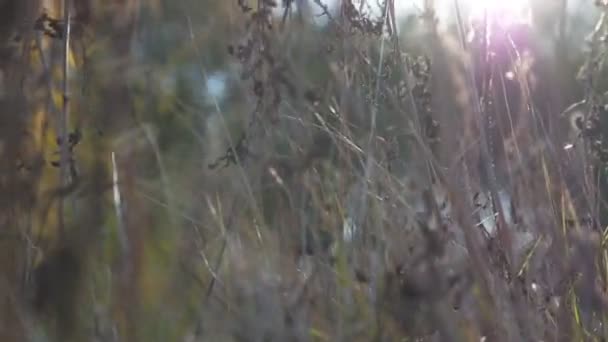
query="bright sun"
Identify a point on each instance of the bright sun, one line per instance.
(506, 11)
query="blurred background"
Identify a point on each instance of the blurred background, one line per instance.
(303, 170)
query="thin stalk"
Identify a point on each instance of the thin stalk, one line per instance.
(231, 143)
(118, 207)
(367, 175)
(486, 156)
(65, 112)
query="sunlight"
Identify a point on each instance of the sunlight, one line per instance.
(500, 12)
(504, 11)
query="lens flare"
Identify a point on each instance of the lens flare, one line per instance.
(504, 25)
(501, 12)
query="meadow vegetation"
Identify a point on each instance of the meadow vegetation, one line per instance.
(303, 170)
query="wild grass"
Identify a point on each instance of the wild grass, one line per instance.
(361, 180)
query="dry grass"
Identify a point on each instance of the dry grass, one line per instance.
(361, 184)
